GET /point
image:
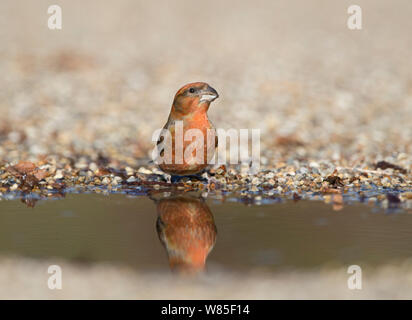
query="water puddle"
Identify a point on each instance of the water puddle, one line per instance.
(186, 233)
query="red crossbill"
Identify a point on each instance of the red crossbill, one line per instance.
(189, 110)
(188, 232)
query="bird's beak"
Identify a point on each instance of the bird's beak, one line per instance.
(208, 94)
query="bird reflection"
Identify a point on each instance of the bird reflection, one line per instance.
(186, 228)
(29, 201)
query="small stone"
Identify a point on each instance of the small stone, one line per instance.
(254, 189)
(93, 167)
(131, 179)
(117, 180)
(58, 175)
(81, 165)
(303, 170)
(129, 171)
(144, 170)
(269, 175)
(314, 165)
(255, 181)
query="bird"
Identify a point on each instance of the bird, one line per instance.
(187, 230)
(189, 110)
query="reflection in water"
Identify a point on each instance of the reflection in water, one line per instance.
(29, 201)
(187, 230)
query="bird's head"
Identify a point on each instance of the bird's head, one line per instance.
(192, 98)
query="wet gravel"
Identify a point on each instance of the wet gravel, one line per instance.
(389, 188)
(78, 106)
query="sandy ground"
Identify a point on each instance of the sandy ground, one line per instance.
(329, 101)
(106, 81)
(28, 279)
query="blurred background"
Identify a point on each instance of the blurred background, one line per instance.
(106, 81)
(99, 87)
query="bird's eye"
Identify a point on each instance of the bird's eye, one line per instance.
(192, 90)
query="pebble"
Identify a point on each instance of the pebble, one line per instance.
(144, 170)
(129, 171)
(131, 179)
(93, 167)
(117, 180)
(58, 175)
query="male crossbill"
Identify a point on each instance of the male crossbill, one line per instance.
(188, 232)
(189, 110)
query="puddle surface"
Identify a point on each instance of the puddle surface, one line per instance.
(182, 233)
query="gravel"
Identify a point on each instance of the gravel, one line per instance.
(333, 105)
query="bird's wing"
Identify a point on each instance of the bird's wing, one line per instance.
(160, 144)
